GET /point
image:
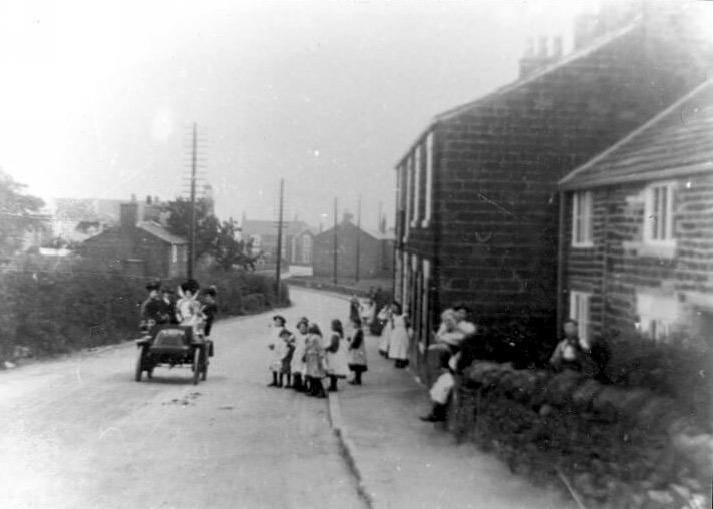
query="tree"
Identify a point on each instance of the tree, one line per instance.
(219, 240)
(229, 251)
(207, 225)
(18, 214)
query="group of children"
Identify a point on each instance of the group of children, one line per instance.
(301, 360)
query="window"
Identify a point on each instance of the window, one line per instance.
(579, 310)
(174, 253)
(657, 315)
(409, 185)
(658, 214)
(425, 309)
(429, 181)
(306, 249)
(582, 219)
(416, 161)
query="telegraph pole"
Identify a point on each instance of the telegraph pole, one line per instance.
(279, 240)
(336, 242)
(192, 228)
(358, 240)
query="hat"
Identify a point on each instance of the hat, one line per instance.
(302, 320)
(281, 318)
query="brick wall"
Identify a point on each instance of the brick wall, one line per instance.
(375, 256)
(619, 267)
(500, 159)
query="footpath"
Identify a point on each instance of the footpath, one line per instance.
(402, 462)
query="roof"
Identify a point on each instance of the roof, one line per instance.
(596, 45)
(388, 235)
(162, 233)
(676, 142)
(268, 227)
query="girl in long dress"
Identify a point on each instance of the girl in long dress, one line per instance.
(357, 354)
(399, 341)
(277, 347)
(314, 361)
(385, 337)
(337, 365)
(297, 366)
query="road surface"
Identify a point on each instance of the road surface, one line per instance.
(79, 432)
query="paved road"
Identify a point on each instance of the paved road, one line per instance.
(79, 432)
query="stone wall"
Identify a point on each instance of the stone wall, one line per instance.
(624, 448)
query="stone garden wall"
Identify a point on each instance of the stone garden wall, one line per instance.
(607, 446)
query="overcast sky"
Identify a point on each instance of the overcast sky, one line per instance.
(97, 97)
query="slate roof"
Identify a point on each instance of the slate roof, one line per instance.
(162, 233)
(676, 142)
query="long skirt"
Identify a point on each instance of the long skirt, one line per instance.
(398, 344)
(385, 339)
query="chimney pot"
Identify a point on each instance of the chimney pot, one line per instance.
(542, 47)
(557, 47)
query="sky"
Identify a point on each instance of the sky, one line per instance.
(97, 98)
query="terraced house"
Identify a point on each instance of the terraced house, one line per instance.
(637, 229)
(477, 192)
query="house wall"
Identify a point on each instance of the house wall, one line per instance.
(629, 280)
(111, 249)
(374, 254)
(499, 162)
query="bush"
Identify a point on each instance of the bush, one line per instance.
(53, 312)
(680, 369)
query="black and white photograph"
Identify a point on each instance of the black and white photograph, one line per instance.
(356, 254)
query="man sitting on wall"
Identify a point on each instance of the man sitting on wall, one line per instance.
(579, 354)
(454, 329)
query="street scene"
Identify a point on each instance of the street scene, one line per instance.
(368, 254)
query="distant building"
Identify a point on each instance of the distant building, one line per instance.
(637, 229)
(477, 191)
(76, 219)
(262, 234)
(139, 245)
(375, 252)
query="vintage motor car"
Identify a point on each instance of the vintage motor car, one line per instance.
(171, 346)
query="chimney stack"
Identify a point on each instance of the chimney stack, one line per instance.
(548, 52)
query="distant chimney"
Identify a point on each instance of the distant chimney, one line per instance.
(546, 54)
(148, 199)
(347, 217)
(542, 47)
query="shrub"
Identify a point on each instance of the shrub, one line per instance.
(57, 311)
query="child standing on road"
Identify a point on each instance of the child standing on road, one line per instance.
(337, 366)
(357, 354)
(276, 347)
(314, 361)
(297, 366)
(288, 349)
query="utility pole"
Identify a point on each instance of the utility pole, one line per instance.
(358, 240)
(279, 240)
(192, 228)
(336, 242)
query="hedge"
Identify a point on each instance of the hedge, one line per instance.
(57, 311)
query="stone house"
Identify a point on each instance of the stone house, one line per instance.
(477, 207)
(375, 252)
(138, 246)
(262, 233)
(637, 229)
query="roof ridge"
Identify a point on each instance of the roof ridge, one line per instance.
(636, 132)
(598, 43)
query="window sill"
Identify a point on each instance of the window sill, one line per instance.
(583, 245)
(657, 250)
(425, 223)
(414, 223)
